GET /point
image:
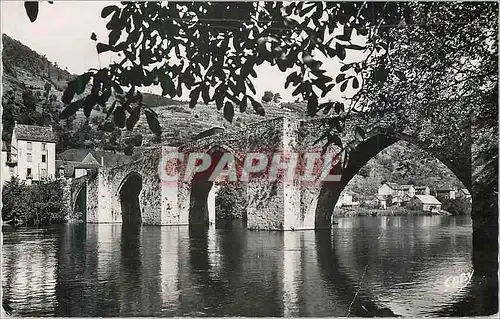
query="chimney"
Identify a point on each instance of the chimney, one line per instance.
(102, 161)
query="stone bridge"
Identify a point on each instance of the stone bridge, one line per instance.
(134, 193)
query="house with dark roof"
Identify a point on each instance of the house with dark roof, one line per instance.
(33, 152)
(89, 162)
(76, 162)
(446, 193)
(209, 132)
(407, 191)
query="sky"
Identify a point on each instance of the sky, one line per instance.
(62, 32)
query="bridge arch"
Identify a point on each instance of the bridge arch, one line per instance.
(358, 157)
(202, 185)
(128, 194)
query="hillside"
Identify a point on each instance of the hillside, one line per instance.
(22, 64)
(27, 73)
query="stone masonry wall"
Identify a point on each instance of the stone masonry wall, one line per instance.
(150, 195)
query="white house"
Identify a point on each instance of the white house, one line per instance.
(389, 189)
(89, 162)
(33, 149)
(346, 199)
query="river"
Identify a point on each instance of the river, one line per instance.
(409, 264)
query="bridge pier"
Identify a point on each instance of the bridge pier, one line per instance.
(171, 211)
(273, 205)
(265, 206)
(100, 206)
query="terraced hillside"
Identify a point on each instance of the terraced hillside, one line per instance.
(180, 123)
(25, 69)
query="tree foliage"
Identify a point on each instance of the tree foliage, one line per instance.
(267, 97)
(230, 202)
(212, 50)
(32, 205)
(388, 200)
(438, 68)
(457, 206)
(29, 100)
(276, 98)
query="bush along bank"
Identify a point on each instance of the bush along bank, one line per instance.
(390, 211)
(32, 205)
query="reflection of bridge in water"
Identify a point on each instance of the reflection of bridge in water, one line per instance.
(172, 271)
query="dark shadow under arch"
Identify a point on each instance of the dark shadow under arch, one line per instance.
(201, 186)
(80, 202)
(128, 193)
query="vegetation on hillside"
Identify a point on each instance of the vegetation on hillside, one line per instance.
(17, 55)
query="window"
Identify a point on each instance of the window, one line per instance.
(44, 146)
(43, 173)
(28, 172)
(30, 146)
(44, 158)
(29, 158)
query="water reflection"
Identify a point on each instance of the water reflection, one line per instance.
(30, 273)
(413, 255)
(292, 271)
(363, 267)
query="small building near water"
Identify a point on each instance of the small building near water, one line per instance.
(74, 163)
(346, 199)
(425, 203)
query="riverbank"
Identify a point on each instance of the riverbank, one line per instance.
(391, 211)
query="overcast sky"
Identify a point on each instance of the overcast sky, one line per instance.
(62, 32)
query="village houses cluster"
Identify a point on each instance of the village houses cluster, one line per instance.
(31, 157)
(418, 197)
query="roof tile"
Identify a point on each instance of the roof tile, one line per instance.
(35, 133)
